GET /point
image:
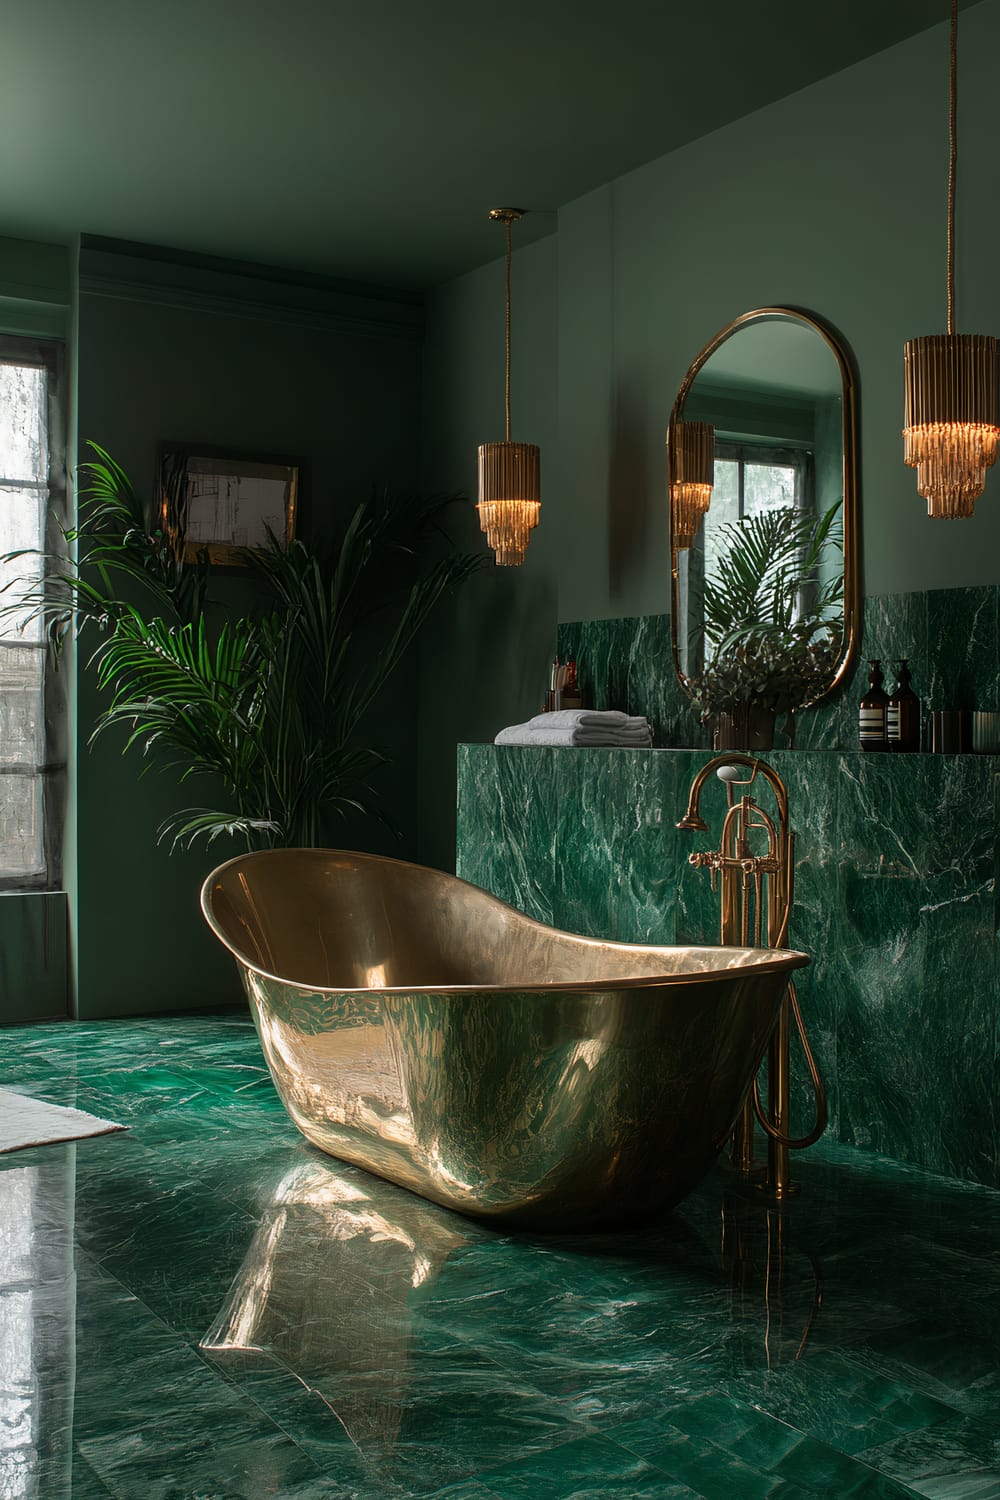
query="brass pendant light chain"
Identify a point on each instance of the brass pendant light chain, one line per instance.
(952, 160)
(508, 472)
(507, 217)
(507, 335)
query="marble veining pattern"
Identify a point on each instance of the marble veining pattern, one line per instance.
(951, 638)
(896, 901)
(207, 1307)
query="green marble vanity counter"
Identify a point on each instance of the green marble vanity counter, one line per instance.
(896, 864)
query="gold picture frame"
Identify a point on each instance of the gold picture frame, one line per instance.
(216, 505)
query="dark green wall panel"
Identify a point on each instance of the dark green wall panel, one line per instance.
(34, 968)
(170, 351)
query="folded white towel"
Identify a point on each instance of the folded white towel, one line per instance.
(534, 733)
(589, 718)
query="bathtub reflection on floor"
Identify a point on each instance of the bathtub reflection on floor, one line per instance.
(376, 1302)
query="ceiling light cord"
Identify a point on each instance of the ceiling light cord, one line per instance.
(952, 160)
(507, 336)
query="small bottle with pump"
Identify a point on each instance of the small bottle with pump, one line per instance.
(903, 713)
(873, 712)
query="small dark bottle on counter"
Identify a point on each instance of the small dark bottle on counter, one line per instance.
(873, 712)
(571, 695)
(903, 713)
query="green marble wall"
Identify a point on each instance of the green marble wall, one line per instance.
(950, 636)
(895, 901)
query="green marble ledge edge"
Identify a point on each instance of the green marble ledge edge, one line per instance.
(899, 912)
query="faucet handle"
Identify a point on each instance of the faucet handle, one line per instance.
(731, 775)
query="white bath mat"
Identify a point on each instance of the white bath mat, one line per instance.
(31, 1122)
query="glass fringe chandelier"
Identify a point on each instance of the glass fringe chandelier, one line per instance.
(508, 472)
(691, 460)
(952, 416)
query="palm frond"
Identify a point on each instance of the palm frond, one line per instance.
(773, 623)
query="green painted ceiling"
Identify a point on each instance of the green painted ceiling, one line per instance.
(367, 138)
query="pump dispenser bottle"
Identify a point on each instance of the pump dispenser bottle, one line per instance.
(903, 713)
(873, 712)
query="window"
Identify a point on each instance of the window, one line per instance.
(32, 498)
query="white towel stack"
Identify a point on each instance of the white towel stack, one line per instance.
(580, 726)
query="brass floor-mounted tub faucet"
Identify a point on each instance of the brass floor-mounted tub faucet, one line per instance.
(756, 892)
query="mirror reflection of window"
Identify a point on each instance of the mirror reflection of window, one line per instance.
(752, 478)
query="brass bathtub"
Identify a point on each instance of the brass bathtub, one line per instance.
(420, 1027)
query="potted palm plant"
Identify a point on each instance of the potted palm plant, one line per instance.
(269, 708)
(773, 625)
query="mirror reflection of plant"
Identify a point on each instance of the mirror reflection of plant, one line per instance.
(272, 705)
(768, 647)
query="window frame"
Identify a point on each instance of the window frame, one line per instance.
(48, 354)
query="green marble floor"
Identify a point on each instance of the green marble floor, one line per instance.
(205, 1308)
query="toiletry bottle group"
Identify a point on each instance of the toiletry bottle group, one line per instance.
(889, 722)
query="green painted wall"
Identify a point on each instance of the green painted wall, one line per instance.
(168, 350)
(832, 200)
(35, 288)
(479, 661)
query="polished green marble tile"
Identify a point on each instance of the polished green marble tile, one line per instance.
(963, 648)
(165, 1238)
(466, 1490)
(773, 1460)
(955, 1362)
(980, 1485)
(590, 1467)
(838, 1401)
(507, 825)
(83, 1483)
(775, 1453)
(151, 1419)
(845, 1345)
(962, 1451)
(240, 1082)
(319, 1426)
(617, 823)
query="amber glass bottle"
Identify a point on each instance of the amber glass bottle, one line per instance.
(903, 713)
(873, 712)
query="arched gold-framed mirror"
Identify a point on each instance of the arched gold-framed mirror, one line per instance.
(764, 515)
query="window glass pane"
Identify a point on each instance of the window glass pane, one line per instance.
(22, 523)
(768, 487)
(725, 507)
(22, 726)
(725, 491)
(24, 500)
(20, 825)
(23, 434)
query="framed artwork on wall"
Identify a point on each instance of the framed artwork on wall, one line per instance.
(216, 505)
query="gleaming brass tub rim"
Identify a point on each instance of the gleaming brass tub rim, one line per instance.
(728, 959)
